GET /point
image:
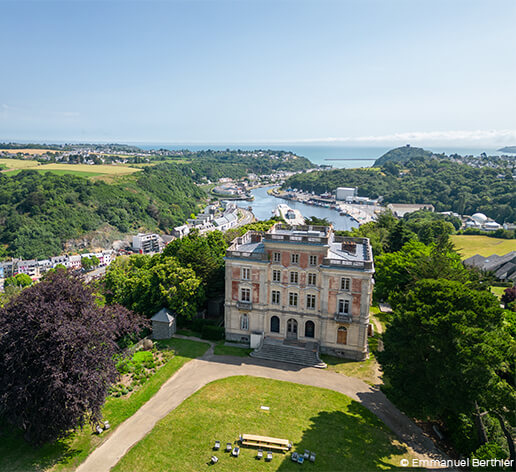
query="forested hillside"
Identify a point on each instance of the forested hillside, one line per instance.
(40, 211)
(444, 184)
(403, 154)
(237, 164)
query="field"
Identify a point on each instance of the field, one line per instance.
(35, 152)
(17, 455)
(14, 166)
(342, 433)
(469, 245)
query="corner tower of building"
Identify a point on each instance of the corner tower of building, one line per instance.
(301, 283)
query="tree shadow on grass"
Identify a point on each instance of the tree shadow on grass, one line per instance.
(16, 454)
(352, 440)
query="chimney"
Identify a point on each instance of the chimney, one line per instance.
(350, 247)
(256, 237)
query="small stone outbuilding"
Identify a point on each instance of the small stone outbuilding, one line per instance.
(163, 324)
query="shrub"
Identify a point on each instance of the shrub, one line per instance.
(213, 333)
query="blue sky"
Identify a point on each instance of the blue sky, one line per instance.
(364, 72)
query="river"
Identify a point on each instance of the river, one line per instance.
(263, 204)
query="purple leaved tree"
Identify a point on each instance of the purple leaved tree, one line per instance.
(56, 356)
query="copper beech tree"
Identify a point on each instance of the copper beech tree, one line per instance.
(56, 356)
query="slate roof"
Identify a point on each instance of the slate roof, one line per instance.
(164, 316)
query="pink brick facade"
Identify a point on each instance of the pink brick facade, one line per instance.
(311, 299)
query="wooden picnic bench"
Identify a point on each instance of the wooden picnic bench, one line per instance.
(265, 442)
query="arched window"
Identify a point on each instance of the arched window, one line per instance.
(275, 324)
(342, 335)
(244, 322)
(309, 329)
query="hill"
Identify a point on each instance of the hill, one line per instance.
(445, 184)
(403, 154)
(511, 149)
(39, 212)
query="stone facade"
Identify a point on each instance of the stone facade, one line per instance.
(301, 283)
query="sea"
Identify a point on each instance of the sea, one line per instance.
(335, 155)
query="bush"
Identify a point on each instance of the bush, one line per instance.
(488, 451)
(199, 323)
(213, 333)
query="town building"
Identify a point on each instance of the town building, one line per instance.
(147, 243)
(343, 193)
(300, 283)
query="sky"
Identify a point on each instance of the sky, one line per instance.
(358, 72)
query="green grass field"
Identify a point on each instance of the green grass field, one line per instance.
(67, 454)
(221, 350)
(342, 433)
(498, 291)
(469, 245)
(363, 370)
(13, 166)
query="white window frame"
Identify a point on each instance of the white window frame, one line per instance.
(294, 258)
(311, 301)
(246, 273)
(311, 275)
(293, 297)
(313, 260)
(345, 284)
(247, 291)
(294, 277)
(276, 257)
(276, 297)
(275, 273)
(344, 306)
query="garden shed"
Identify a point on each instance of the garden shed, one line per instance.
(163, 324)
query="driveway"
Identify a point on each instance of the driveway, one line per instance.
(197, 373)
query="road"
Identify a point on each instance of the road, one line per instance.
(197, 373)
(247, 217)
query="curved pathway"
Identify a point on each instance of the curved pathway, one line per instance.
(197, 373)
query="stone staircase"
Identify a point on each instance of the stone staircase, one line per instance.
(291, 352)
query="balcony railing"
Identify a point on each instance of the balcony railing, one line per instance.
(365, 265)
(241, 305)
(343, 318)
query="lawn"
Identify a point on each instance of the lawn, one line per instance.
(469, 245)
(221, 350)
(17, 455)
(342, 433)
(363, 370)
(498, 291)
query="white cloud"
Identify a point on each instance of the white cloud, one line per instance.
(461, 136)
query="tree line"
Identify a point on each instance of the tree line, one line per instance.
(448, 186)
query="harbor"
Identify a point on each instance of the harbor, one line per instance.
(264, 202)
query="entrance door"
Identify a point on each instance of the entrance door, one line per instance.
(292, 329)
(342, 335)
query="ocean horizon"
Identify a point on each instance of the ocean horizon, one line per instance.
(335, 155)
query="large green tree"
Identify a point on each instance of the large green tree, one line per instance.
(448, 353)
(145, 284)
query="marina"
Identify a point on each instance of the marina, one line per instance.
(264, 203)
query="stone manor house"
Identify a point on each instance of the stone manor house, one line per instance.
(300, 286)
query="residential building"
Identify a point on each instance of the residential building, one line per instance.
(300, 283)
(146, 243)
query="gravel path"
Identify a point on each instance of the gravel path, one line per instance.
(197, 373)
